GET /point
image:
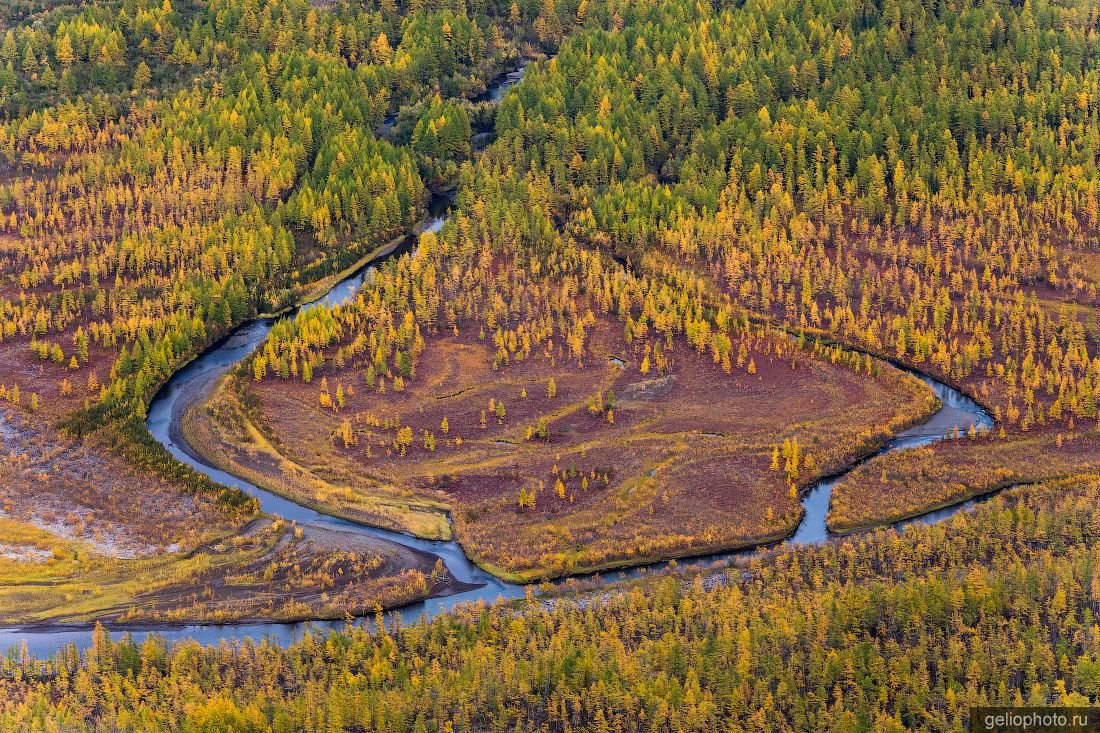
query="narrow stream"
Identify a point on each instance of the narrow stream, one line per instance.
(193, 383)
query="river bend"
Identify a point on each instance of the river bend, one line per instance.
(191, 384)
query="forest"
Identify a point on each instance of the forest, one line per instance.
(167, 172)
(670, 171)
(896, 632)
(689, 260)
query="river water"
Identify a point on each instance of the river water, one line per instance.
(193, 382)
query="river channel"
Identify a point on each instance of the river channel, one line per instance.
(193, 383)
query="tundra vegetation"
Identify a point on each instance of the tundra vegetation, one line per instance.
(901, 631)
(166, 172)
(748, 185)
(666, 301)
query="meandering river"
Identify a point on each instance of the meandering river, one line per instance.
(193, 383)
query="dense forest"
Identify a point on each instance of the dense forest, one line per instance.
(166, 172)
(896, 632)
(693, 172)
(172, 170)
(749, 163)
(768, 192)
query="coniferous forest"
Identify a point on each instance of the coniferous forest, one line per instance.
(570, 288)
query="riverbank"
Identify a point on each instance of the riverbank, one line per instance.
(218, 429)
(317, 290)
(895, 487)
(50, 636)
(269, 570)
(392, 577)
(629, 486)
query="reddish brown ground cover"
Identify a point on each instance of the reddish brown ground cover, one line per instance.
(902, 484)
(609, 466)
(86, 535)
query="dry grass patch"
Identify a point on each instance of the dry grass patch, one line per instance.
(552, 466)
(908, 483)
